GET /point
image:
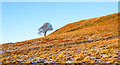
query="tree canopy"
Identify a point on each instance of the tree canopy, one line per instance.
(46, 27)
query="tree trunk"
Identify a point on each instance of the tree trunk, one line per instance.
(45, 33)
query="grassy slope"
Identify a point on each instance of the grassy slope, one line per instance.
(105, 24)
(104, 20)
(88, 29)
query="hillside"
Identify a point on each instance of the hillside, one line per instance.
(93, 40)
(87, 23)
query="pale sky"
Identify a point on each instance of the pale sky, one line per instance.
(21, 20)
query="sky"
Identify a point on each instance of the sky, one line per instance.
(59, 0)
(21, 20)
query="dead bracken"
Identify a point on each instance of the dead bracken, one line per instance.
(73, 43)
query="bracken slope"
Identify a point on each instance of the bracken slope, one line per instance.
(93, 40)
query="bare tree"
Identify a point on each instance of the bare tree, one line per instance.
(46, 27)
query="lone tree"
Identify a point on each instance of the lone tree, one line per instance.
(46, 27)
